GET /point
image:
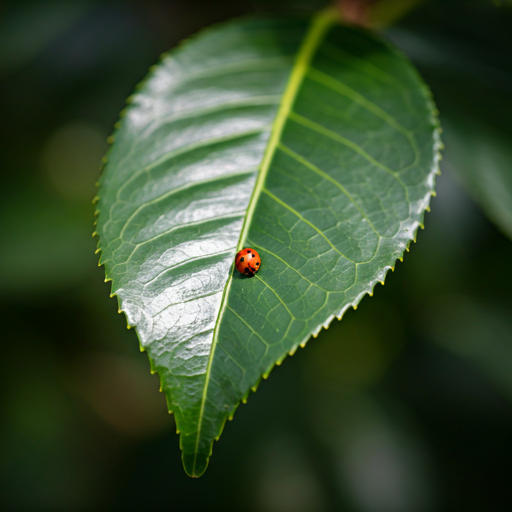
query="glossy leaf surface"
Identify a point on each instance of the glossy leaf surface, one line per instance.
(312, 142)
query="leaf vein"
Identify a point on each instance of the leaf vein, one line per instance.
(297, 214)
(187, 186)
(261, 248)
(326, 176)
(310, 44)
(308, 123)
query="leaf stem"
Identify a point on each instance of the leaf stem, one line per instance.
(320, 25)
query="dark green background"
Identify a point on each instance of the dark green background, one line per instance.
(404, 406)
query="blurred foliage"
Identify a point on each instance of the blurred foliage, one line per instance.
(414, 416)
(463, 52)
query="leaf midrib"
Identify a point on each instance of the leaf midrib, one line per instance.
(314, 37)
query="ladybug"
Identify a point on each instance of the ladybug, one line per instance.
(247, 262)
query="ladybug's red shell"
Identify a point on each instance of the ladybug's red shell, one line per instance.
(247, 262)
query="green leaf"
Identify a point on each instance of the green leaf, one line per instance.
(315, 144)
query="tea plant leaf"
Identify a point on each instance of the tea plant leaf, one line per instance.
(314, 143)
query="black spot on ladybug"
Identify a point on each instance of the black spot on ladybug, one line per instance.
(242, 259)
(257, 264)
